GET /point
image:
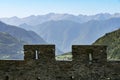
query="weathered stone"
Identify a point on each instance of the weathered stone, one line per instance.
(89, 63)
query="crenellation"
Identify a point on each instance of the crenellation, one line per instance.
(89, 63)
(42, 51)
(89, 54)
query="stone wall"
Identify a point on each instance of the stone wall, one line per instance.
(89, 63)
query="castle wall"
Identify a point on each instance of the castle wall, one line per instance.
(44, 52)
(88, 63)
(83, 53)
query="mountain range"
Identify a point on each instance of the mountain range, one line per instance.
(38, 19)
(64, 30)
(65, 33)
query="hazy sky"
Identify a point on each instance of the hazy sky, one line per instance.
(22, 8)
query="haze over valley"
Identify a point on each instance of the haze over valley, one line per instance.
(63, 30)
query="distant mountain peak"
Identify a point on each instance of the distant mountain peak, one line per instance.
(15, 17)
